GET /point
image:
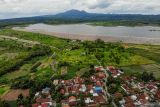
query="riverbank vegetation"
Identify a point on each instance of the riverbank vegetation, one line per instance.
(131, 23)
(125, 23)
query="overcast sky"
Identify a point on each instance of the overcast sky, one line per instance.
(25, 8)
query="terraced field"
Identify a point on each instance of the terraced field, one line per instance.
(149, 52)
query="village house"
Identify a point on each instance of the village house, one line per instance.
(157, 95)
(114, 72)
(43, 98)
(93, 92)
(99, 68)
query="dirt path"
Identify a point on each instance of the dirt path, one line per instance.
(20, 40)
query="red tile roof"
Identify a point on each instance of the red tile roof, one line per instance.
(151, 86)
(66, 106)
(44, 105)
(72, 98)
(93, 78)
(62, 91)
(143, 98)
(100, 99)
(42, 100)
(91, 105)
(129, 105)
(98, 69)
(118, 95)
(129, 102)
(89, 87)
(128, 99)
(35, 105)
(101, 75)
(98, 83)
(157, 95)
(141, 85)
(78, 80)
(73, 103)
(111, 67)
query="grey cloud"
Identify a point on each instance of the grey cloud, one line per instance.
(100, 4)
(11, 1)
(19, 8)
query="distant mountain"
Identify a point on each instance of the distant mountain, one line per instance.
(83, 15)
(73, 16)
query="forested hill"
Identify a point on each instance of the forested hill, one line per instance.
(75, 16)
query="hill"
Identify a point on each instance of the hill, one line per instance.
(76, 16)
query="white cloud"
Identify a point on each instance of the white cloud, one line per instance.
(21, 8)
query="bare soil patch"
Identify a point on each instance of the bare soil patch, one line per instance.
(13, 94)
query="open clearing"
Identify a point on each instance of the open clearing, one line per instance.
(12, 95)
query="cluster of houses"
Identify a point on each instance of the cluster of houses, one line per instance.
(92, 89)
(43, 98)
(138, 93)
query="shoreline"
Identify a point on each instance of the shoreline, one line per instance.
(134, 40)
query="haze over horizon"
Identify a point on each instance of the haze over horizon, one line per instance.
(28, 8)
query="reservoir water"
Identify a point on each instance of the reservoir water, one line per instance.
(84, 29)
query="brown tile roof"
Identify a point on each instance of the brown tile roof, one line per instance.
(65, 106)
(89, 87)
(129, 105)
(35, 105)
(91, 105)
(157, 95)
(100, 99)
(73, 103)
(42, 100)
(143, 98)
(98, 83)
(101, 75)
(44, 105)
(78, 80)
(118, 95)
(72, 98)
(62, 91)
(128, 99)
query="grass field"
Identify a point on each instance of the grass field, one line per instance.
(11, 54)
(3, 90)
(152, 60)
(43, 39)
(154, 68)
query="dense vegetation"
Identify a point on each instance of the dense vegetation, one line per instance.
(34, 66)
(18, 59)
(126, 23)
(91, 22)
(76, 55)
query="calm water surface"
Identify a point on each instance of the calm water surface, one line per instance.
(84, 29)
